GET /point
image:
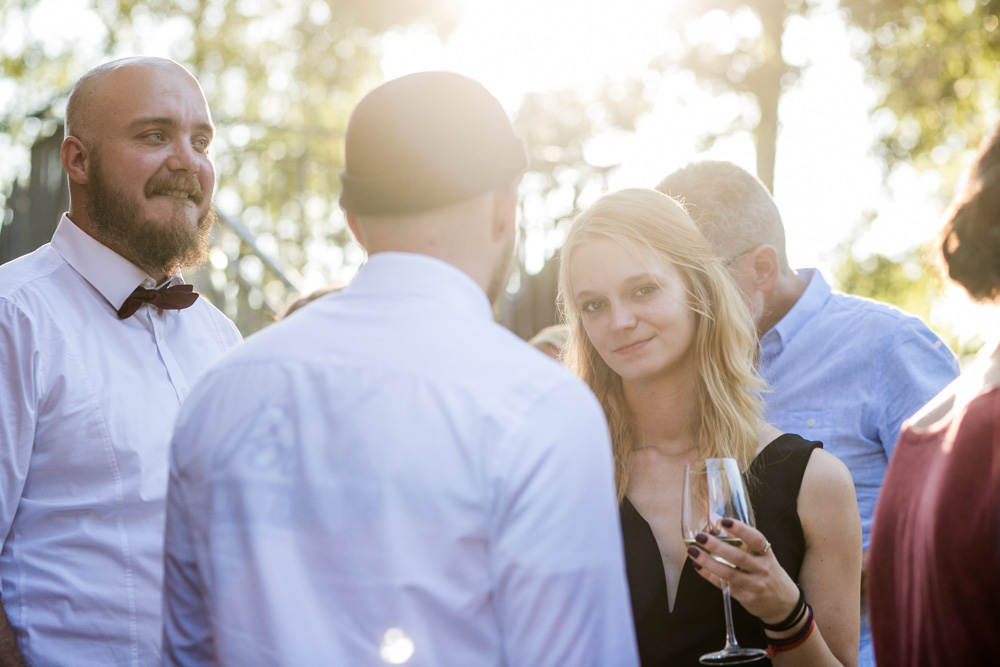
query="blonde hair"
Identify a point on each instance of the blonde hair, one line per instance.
(725, 343)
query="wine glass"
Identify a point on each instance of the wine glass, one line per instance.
(713, 490)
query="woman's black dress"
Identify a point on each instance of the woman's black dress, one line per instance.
(697, 624)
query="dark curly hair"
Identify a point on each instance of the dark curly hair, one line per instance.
(970, 238)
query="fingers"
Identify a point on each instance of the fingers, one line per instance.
(708, 568)
(754, 540)
(737, 561)
(758, 582)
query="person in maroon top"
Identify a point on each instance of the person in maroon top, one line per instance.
(934, 560)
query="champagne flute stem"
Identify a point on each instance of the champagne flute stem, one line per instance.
(730, 633)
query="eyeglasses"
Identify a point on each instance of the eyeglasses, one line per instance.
(728, 262)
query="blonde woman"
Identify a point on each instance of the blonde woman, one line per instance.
(660, 333)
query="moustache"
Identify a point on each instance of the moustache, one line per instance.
(177, 185)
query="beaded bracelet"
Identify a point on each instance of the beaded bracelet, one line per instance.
(775, 646)
(793, 618)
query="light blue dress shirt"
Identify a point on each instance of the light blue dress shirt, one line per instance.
(87, 406)
(389, 477)
(848, 371)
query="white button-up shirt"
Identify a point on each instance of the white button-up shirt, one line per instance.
(390, 477)
(87, 405)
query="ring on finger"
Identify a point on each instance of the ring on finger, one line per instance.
(767, 547)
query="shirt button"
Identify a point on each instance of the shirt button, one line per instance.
(810, 422)
(147, 283)
(184, 393)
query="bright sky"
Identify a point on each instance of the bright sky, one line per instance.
(826, 179)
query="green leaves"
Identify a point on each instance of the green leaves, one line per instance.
(281, 77)
(936, 65)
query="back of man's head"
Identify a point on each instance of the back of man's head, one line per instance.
(731, 207)
(426, 141)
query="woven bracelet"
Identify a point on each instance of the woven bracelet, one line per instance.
(793, 618)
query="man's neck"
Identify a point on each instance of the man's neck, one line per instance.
(780, 299)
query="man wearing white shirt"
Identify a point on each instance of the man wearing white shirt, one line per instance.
(100, 343)
(390, 476)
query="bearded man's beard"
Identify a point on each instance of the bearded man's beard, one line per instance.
(168, 248)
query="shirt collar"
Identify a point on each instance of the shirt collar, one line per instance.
(815, 295)
(110, 274)
(423, 277)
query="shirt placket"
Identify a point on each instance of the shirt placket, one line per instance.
(174, 372)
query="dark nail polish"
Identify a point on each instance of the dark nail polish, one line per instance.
(727, 522)
(693, 552)
(696, 566)
(701, 538)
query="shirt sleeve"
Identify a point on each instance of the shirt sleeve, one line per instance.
(19, 382)
(917, 366)
(562, 594)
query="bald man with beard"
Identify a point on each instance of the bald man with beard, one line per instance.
(100, 341)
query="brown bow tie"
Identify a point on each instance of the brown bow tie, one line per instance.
(168, 298)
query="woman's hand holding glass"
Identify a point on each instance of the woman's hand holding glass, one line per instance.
(757, 581)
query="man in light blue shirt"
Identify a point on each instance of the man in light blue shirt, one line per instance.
(843, 370)
(389, 476)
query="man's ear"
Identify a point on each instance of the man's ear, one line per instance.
(75, 160)
(356, 229)
(764, 262)
(505, 208)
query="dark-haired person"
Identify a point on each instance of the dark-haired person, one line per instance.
(389, 476)
(934, 561)
(100, 343)
(842, 370)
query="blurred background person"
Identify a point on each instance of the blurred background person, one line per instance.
(934, 563)
(551, 340)
(661, 334)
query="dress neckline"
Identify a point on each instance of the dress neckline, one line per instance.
(687, 570)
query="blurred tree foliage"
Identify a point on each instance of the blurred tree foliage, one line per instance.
(937, 66)
(735, 46)
(560, 128)
(910, 282)
(280, 76)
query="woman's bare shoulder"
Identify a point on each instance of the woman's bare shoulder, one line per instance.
(826, 475)
(827, 490)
